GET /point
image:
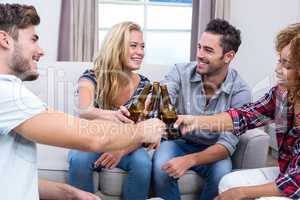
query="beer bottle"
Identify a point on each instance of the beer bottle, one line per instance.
(152, 109)
(136, 108)
(168, 114)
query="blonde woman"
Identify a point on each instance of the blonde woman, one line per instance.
(110, 85)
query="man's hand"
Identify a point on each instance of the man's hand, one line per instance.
(109, 160)
(176, 167)
(232, 194)
(152, 130)
(186, 123)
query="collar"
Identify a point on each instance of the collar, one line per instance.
(225, 86)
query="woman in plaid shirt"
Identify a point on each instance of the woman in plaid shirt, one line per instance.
(280, 105)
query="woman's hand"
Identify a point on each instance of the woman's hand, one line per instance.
(120, 115)
(109, 160)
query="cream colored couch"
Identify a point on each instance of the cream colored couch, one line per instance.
(56, 86)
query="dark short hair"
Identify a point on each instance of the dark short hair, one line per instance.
(15, 16)
(231, 37)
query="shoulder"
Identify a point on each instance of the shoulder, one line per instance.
(16, 95)
(238, 82)
(89, 74)
(185, 67)
(143, 79)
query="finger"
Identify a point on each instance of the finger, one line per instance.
(178, 122)
(124, 119)
(110, 164)
(158, 145)
(106, 160)
(100, 159)
(165, 167)
(151, 146)
(124, 111)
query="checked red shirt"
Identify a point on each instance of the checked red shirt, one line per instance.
(274, 107)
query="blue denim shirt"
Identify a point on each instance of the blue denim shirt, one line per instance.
(186, 91)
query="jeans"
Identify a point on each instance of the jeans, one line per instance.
(137, 163)
(166, 187)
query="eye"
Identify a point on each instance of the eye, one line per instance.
(133, 45)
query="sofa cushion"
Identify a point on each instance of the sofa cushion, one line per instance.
(110, 182)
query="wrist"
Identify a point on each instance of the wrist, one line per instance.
(67, 191)
(191, 159)
(242, 192)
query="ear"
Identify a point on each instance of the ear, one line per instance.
(228, 57)
(5, 40)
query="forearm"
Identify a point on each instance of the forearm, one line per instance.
(211, 154)
(75, 133)
(217, 123)
(264, 190)
(54, 190)
(93, 113)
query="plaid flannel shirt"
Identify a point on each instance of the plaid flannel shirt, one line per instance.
(274, 107)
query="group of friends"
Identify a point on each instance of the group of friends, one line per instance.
(212, 100)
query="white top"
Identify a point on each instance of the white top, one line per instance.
(18, 163)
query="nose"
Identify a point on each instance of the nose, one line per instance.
(41, 52)
(140, 51)
(200, 53)
(278, 68)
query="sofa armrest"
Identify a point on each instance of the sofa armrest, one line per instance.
(252, 150)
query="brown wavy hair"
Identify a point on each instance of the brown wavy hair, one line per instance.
(16, 16)
(291, 36)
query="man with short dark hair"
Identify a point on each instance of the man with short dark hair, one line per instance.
(204, 87)
(25, 119)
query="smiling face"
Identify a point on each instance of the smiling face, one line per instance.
(25, 54)
(135, 51)
(210, 57)
(286, 74)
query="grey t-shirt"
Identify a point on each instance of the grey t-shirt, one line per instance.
(185, 87)
(18, 164)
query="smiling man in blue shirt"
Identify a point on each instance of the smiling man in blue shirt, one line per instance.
(202, 88)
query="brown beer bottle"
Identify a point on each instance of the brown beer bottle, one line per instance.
(136, 108)
(168, 114)
(152, 109)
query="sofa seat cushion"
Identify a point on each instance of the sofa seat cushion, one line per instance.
(110, 182)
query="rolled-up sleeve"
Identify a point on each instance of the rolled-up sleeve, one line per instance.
(253, 115)
(229, 141)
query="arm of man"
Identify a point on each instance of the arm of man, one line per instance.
(61, 191)
(211, 154)
(60, 129)
(177, 166)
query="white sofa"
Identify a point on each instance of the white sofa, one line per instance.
(56, 86)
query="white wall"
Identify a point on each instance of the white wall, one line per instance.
(259, 22)
(49, 12)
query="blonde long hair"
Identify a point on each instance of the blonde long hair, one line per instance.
(291, 36)
(110, 62)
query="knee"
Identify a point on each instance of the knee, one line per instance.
(79, 160)
(141, 162)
